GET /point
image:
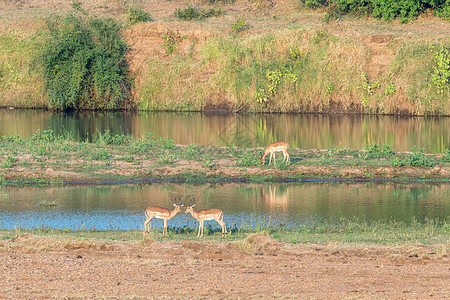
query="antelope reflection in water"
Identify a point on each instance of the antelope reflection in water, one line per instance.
(275, 197)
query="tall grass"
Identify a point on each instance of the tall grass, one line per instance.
(314, 72)
(19, 87)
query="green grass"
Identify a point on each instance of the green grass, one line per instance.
(143, 157)
(325, 231)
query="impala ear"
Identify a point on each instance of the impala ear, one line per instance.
(175, 204)
(192, 205)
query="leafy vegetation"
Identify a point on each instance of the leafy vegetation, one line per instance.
(240, 25)
(387, 10)
(441, 74)
(171, 40)
(83, 61)
(192, 13)
(137, 15)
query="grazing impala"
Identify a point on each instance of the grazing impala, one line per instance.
(274, 147)
(162, 213)
(205, 215)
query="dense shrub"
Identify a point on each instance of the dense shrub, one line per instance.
(84, 62)
(388, 10)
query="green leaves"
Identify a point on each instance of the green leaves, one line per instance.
(84, 62)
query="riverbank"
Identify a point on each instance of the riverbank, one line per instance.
(45, 158)
(285, 59)
(254, 266)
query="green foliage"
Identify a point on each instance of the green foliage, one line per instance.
(387, 10)
(441, 74)
(377, 151)
(240, 25)
(136, 15)
(192, 151)
(192, 13)
(295, 54)
(248, 159)
(168, 144)
(112, 139)
(390, 9)
(273, 80)
(368, 88)
(167, 158)
(45, 137)
(84, 62)
(390, 89)
(100, 154)
(416, 159)
(9, 162)
(446, 155)
(444, 11)
(171, 40)
(314, 4)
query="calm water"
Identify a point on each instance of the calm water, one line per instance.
(300, 131)
(292, 204)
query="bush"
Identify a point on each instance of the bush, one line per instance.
(415, 159)
(441, 74)
(191, 13)
(84, 63)
(381, 9)
(248, 159)
(136, 15)
(375, 151)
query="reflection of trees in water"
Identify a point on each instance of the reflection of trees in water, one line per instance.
(300, 131)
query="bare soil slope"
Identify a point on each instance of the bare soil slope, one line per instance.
(39, 268)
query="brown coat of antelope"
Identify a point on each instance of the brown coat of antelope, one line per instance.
(162, 213)
(274, 147)
(205, 215)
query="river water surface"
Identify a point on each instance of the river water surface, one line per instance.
(293, 205)
(300, 131)
(290, 204)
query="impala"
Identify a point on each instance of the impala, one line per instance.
(274, 147)
(161, 213)
(205, 215)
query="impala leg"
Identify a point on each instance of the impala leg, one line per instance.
(199, 228)
(222, 224)
(165, 227)
(147, 224)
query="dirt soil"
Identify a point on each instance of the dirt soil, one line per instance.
(260, 267)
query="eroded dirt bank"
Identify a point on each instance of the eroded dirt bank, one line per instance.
(38, 268)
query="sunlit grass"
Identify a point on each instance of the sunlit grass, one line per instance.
(141, 157)
(325, 231)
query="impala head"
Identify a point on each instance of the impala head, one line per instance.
(178, 204)
(190, 205)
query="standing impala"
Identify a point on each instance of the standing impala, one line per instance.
(205, 215)
(162, 213)
(274, 147)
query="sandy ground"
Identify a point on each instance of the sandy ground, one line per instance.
(259, 267)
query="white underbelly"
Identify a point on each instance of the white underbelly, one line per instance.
(159, 217)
